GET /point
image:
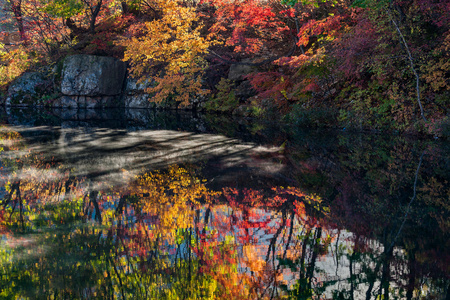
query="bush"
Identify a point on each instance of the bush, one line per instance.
(312, 117)
(225, 99)
(439, 128)
(14, 63)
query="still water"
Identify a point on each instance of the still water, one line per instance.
(138, 204)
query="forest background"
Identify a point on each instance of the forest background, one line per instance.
(362, 64)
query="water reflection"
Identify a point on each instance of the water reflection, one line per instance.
(345, 219)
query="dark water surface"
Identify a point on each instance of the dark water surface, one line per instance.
(136, 204)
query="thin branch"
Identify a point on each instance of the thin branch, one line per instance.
(411, 61)
(409, 204)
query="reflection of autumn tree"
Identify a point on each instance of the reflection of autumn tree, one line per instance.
(395, 181)
(153, 231)
(164, 234)
(59, 263)
(34, 180)
(310, 241)
(163, 237)
(369, 190)
(170, 198)
(254, 234)
(143, 252)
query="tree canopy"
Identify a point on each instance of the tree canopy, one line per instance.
(378, 64)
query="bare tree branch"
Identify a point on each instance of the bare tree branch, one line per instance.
(411, 61)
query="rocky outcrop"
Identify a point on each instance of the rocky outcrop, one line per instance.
(88, 82)
(92, 76)
(136, 95)
(239, 71)
(27, 89)
(237, 74)
(134, 87)
(88, 102)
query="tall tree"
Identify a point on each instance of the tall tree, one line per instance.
(171, 52)
(16, 8)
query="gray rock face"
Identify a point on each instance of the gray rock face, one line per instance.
(86, 102)
(136, 95)
(238, 72)
(133, 87)
(68, 102)
(26, 88)
(89, 75)
(138, 101)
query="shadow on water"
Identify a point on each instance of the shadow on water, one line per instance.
(109, 144)
(171, 205)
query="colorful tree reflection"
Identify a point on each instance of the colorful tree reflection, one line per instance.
(168, 235)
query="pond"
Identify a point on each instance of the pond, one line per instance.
(137, 204)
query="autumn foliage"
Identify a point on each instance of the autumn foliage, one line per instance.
(171, 51)
(378, 64)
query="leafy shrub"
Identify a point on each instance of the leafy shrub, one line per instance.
(14, 63)
(225, 99)
(444, 127)
(437, 128)
(312, 117)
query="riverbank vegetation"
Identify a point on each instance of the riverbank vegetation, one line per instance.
(364, 64)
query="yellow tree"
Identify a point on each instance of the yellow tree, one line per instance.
(171, 52)
(171, 197)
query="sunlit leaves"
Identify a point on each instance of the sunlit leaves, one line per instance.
(63, 8)
(16, 62)
(171, 51)
(248, 26)
(314, 3)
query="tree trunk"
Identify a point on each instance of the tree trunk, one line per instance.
(16, 8)
(95, 11)
(125, 8)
